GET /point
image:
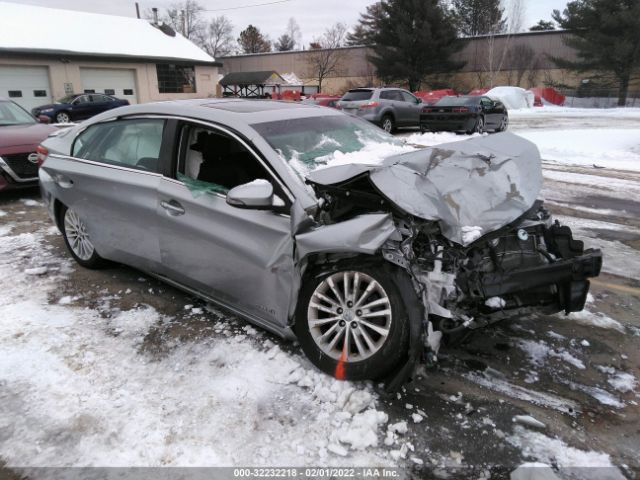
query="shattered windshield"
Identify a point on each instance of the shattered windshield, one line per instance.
(310, 143)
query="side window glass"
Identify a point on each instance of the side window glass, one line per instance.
(397, 96)
(213, 162)
(407, 97)
(385, 95)
(125, 143)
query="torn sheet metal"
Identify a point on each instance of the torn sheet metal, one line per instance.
(362, 234)
(480, 184)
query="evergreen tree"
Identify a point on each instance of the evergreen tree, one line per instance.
(284, 43)
(251, 40)
(479, 17)
(606, 37)
(542, 26)
(367, 27)
(415, 38)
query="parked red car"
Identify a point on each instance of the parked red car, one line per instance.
(432, 96)
(20, 135)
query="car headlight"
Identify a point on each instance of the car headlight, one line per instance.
(46, 110)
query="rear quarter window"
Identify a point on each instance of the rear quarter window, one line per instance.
(356, 95)
(132, 143)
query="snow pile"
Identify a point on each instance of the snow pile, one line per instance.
(596, 319)
(291, 78)
(514, 98)
(617, 148)
(623, 382)
(81, 388)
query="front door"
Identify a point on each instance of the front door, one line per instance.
(242, 258)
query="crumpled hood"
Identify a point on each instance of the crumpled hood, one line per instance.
(471, 187)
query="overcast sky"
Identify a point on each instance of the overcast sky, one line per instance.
(313, 16)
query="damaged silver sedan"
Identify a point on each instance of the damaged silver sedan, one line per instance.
(244, 204)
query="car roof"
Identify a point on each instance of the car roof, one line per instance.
(236, 113)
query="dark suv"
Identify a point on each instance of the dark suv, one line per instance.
(386, 107)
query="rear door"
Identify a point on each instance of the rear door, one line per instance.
(242, 258)
(111, 180)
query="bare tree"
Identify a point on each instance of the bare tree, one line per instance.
(326, 60)
(186, 17)
(217, 38)
(293, 30)
(516, 12)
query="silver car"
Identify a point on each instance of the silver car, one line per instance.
(368, 266)
(388, 108)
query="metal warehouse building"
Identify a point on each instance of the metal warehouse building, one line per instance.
(47, 53)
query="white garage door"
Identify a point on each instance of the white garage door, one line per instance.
(120, 83)
(27, 86)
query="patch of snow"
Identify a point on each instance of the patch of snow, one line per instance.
(554, 451)
(596, 319)
(416, 417)
(585, 343)
(470, 234)
(2, 213)
(495, 303)
(36, 271)
(539, 351)
(623, 382)
(30, 203)
(529, 421)
(5, 230)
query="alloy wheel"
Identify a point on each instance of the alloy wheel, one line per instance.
(77, 236)
(349, 316)
(62, 117)
(387, 125)
(480, 126)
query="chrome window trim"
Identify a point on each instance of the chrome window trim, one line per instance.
(101, 164)
(268, 168)
(5, 166)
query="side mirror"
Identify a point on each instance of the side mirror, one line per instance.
(256, 195)
(43, 119)
(419, 100)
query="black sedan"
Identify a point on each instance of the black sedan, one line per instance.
(78, 106)
(464, 114)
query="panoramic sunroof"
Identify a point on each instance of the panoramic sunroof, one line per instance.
(250, 106)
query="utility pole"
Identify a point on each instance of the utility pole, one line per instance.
(137, 10)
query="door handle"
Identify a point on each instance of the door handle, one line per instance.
(62, 181)
(172, 207)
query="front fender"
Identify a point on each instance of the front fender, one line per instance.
(362, 234)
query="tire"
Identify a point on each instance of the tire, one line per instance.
(63, 117)
(370, 354)
(77, 240)
(387, 124)
(479, 127)
(504, 124)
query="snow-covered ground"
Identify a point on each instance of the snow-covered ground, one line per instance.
(111, 368)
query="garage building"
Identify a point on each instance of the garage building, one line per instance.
(79, 52)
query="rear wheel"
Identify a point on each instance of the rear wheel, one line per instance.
(504, 124)
(77, 239)
(479, 128)
(352, 323)
(387, 123)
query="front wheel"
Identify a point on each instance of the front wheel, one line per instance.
(63, 117)
(77, 239)
(479, 128)
(352, 323)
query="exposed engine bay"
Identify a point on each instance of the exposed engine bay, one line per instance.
(513, 259)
